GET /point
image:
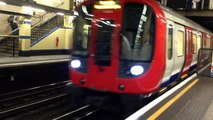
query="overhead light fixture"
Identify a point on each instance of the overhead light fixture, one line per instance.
(3, 3)
(33, 9)
(39, 10)
(59, 13)
(107, 6)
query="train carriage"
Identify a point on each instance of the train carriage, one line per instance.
(133, 46)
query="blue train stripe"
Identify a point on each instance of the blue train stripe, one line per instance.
(193, 68)
(173, 78)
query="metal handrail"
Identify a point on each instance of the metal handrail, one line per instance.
(11, 36)
(47, 13)
(43, 21)
(46, 18)
(36, 24)
(4, 27)
(13, 31)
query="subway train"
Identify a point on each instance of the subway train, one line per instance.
(133, 47)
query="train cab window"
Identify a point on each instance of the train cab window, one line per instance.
(82, 30)
(170, 42)
(138, 32)
(180, 43)
(194, 43)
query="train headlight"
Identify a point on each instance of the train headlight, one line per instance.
(75, 63)
(137, 70)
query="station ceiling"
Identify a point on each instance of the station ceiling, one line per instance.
(202, 17)
(39, 6)
(206, 22)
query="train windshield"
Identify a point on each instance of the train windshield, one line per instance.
(138, 32)
(82, 30)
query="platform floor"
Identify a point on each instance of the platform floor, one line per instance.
(20, 61)
(193, 101)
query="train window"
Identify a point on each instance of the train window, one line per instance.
(138, 32)
(204, 41)
(194, 43)
(199, 42)
(180, 42)
(208, 42)
(170, 42)
(82, 30)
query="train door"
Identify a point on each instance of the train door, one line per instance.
(169, 51)
(188, 53)
(196, 36)
(212, 42)
(204, 41)
(195, 56)
(179, 47)
(105, 47)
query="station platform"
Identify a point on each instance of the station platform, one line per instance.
(32, 60)
(192, 101)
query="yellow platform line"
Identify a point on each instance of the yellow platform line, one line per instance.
(168, 104)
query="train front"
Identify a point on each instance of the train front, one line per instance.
(118, 46)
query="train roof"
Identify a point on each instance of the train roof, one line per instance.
(172, 15)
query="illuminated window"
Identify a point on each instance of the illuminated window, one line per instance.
(194, 43)
(170, 42)
(180, 39)
(208, 42)
(204, 41)
(199, 42)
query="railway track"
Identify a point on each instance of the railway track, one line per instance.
(25, 100)
(78, 114)
(49, 103)
(44, 103)
(30, 91)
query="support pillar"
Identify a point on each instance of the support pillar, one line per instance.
(68, 5)
(25, 36)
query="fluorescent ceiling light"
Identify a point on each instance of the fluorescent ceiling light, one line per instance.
(59, 13)
(107, 6)
(3, 3)
(34, 9)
